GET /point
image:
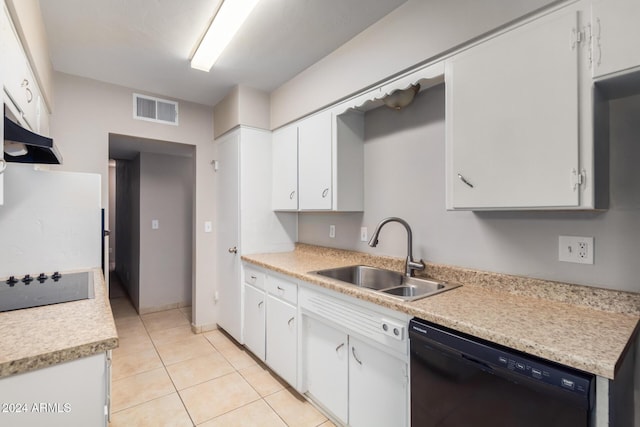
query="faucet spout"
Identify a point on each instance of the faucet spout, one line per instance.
(410, 264)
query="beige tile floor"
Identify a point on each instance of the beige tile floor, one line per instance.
(164, 375)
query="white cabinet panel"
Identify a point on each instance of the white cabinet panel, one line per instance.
(19, 84)
(378, 387)
(282, 338)
(73, 393)
(314, 171)
(254, 320)
(326, 366)
(616, 35)
(285, 169)
(513, 119)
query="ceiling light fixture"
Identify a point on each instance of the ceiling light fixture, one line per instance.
(224, 26)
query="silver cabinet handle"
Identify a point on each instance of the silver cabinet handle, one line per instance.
(29, 95)
(353, 351)
(339, 347)
(254, 277)
(293, 193)
(463, 179)
(233, 250)
(3, 165)
(290, 320)
(280, 289)
(260, 304)
(325, 192)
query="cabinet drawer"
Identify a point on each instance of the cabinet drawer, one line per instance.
(254, 277)
(283, 289)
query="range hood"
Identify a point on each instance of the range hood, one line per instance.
(23, 146)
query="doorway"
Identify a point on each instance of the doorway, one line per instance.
(151, 202)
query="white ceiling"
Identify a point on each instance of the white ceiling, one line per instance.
(147, 44)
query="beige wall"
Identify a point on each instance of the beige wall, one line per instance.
(27, 18)
(242, 106)
(88, 110)
(166, 187)
(413, 33)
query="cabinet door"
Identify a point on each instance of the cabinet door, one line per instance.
(254, 320)
(19, 83)
(615, 35)
(285, 168)
(512, 123)
(282, 339)
(378, 387)
(314, 162)
(326, 367)
(227, 227)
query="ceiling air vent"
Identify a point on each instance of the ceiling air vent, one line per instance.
(155, 109)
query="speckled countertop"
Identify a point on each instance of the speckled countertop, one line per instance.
(38, 337)
(578, 326)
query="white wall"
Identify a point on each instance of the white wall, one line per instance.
(413, 33)
(87, 111)
(166, 187)
(404, 176)
(50, 221)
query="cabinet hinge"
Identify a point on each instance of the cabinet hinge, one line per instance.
(578, 178)
(579, 35)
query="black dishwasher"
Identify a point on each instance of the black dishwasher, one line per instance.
(459, 380)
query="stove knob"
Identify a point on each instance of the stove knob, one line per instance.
(12, 281)
(56, 276)
(27, 279)
(42, 277)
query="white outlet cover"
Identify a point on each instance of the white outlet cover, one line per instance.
(576, 249)
(155, 224)
(364, 234)
(332, 231)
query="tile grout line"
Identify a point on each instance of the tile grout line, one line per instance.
(167, 371)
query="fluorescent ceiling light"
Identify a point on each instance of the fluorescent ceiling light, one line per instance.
(225, 25)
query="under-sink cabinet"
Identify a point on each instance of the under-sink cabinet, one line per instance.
(270, 321)
(352, 365)
(519, 118)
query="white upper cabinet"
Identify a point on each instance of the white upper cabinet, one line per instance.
(615, 36)
(518, 119)
(285, 169)
(318, 163)
(20, 87)
(314, 157)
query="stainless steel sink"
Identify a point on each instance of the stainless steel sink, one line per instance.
(364, 276)
(387, 282)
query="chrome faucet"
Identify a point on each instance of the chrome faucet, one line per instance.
(410, 265)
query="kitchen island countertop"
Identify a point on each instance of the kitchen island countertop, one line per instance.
(38, 337)
(578, 326)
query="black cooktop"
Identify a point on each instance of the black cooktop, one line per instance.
(42, 289)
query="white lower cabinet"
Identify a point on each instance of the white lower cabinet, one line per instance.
(74, 393)
(377, 387)
(326, 366)
(351, 367)
(282, 338)
(270, 320)
(254, 320)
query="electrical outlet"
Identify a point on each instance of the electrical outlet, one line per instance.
(155, 224)
(576, 249)
(364, 236)
(332, 231)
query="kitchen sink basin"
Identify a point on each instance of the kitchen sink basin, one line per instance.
(387, 282)
(364, 276)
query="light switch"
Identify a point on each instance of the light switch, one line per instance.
(208, 227)
(155, 224)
